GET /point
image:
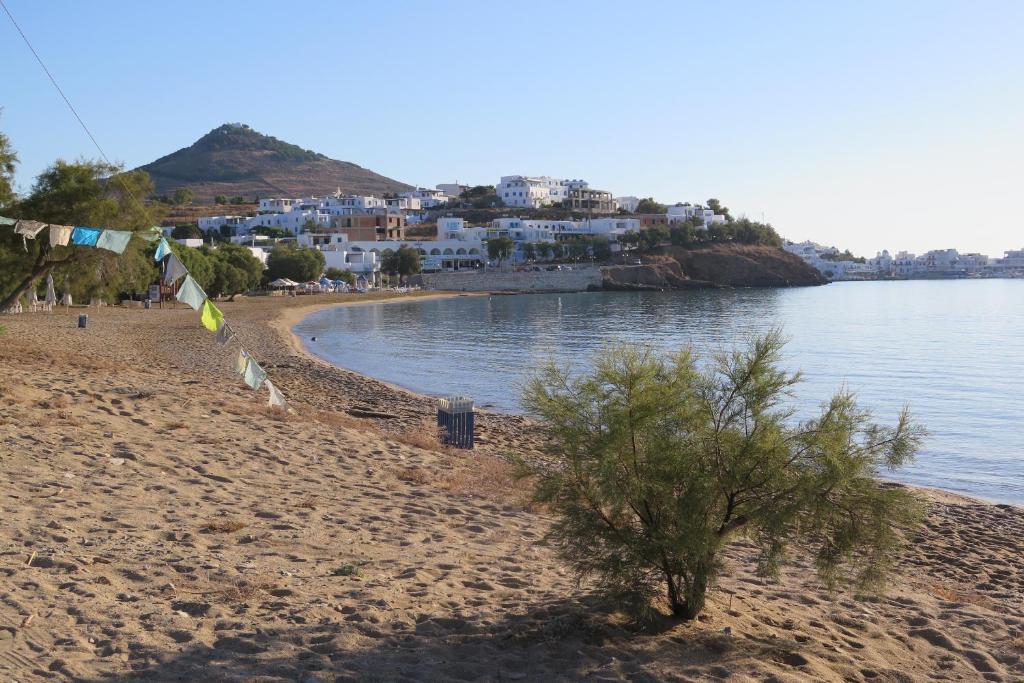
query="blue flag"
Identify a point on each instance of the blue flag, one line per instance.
(162, 250)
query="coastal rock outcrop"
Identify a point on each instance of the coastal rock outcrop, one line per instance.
(716, 265)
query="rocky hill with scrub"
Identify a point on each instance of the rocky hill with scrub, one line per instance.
(235, 160)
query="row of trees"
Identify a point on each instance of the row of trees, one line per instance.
(580, 248)
(691, 233)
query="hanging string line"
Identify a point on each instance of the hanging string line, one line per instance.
(88, 132)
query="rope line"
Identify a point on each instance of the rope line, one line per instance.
(60, 91)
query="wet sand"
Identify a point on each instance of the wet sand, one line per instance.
(161, 523)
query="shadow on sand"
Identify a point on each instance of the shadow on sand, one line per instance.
(565, 640)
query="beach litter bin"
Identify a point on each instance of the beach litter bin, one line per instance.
(455, 421)
(83, 319)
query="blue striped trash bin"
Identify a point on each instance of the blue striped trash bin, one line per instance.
(455, 421)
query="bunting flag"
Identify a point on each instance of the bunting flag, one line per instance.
(114, 240)
(211, 317)
(85, 237)
(191, 293)
(241, 361)
(60, 235)
(276, 398)
(224, 334)
(174, 269)
(51, 293)
(254, 374)
(162, 250)
(29, 229)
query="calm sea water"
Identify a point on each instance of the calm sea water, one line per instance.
(952, 350)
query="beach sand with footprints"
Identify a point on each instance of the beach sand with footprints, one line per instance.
(159, 522)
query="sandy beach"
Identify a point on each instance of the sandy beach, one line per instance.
(161, 523)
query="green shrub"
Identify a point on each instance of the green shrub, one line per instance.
(659, 462)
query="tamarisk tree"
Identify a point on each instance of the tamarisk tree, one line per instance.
(659, 461)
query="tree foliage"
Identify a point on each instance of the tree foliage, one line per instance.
(8, 164)
(89, 193)
(294, 263)
(660, 461)
(186, 231)
(183, 195)
(648, 205)
(403, 262)
(499, 248)
(346, 276)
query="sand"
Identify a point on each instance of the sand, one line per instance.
(161, 523)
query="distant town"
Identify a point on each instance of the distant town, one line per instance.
(540, 217)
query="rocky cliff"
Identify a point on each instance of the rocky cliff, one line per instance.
(717, 265)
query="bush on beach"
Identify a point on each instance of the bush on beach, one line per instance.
(660, 462)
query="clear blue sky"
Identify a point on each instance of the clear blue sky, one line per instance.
(867, 125)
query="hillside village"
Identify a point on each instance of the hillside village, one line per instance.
(352, 231)
(273, 192)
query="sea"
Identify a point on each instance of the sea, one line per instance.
(950, 350)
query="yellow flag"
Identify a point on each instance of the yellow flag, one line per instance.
(212, 317)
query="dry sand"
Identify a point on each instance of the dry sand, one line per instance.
(160, 523)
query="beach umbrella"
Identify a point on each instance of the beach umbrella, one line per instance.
(51, 293)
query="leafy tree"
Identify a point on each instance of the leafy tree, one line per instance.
(183, 195)
(544, 249)
(630, 238)
(270, 231)
(601, 249)
(648, 205)
(290, 261)
(577, 249)
(197, 261)
(187, 231)
(235, 270)
(685, 233)
(80, 193)
(529, 251)
(659, 462)
(8, 163)
(403, 262)
(654, 236)
(499, 248)
(347, 276)
(220, 199)
(239, 200)
(717, 207)
(557, 250)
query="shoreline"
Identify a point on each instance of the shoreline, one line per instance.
(162, 522)
(292, 316)
(289, 317)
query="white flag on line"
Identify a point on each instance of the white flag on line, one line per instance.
(276, 397)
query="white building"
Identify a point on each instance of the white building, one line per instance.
(533, 192)
(452, 190)
(627, 203)
(684, 212)
(271, 205)
(236, 224)
(363, 257)
(426, 198)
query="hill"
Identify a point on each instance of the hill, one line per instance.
(234, 159)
